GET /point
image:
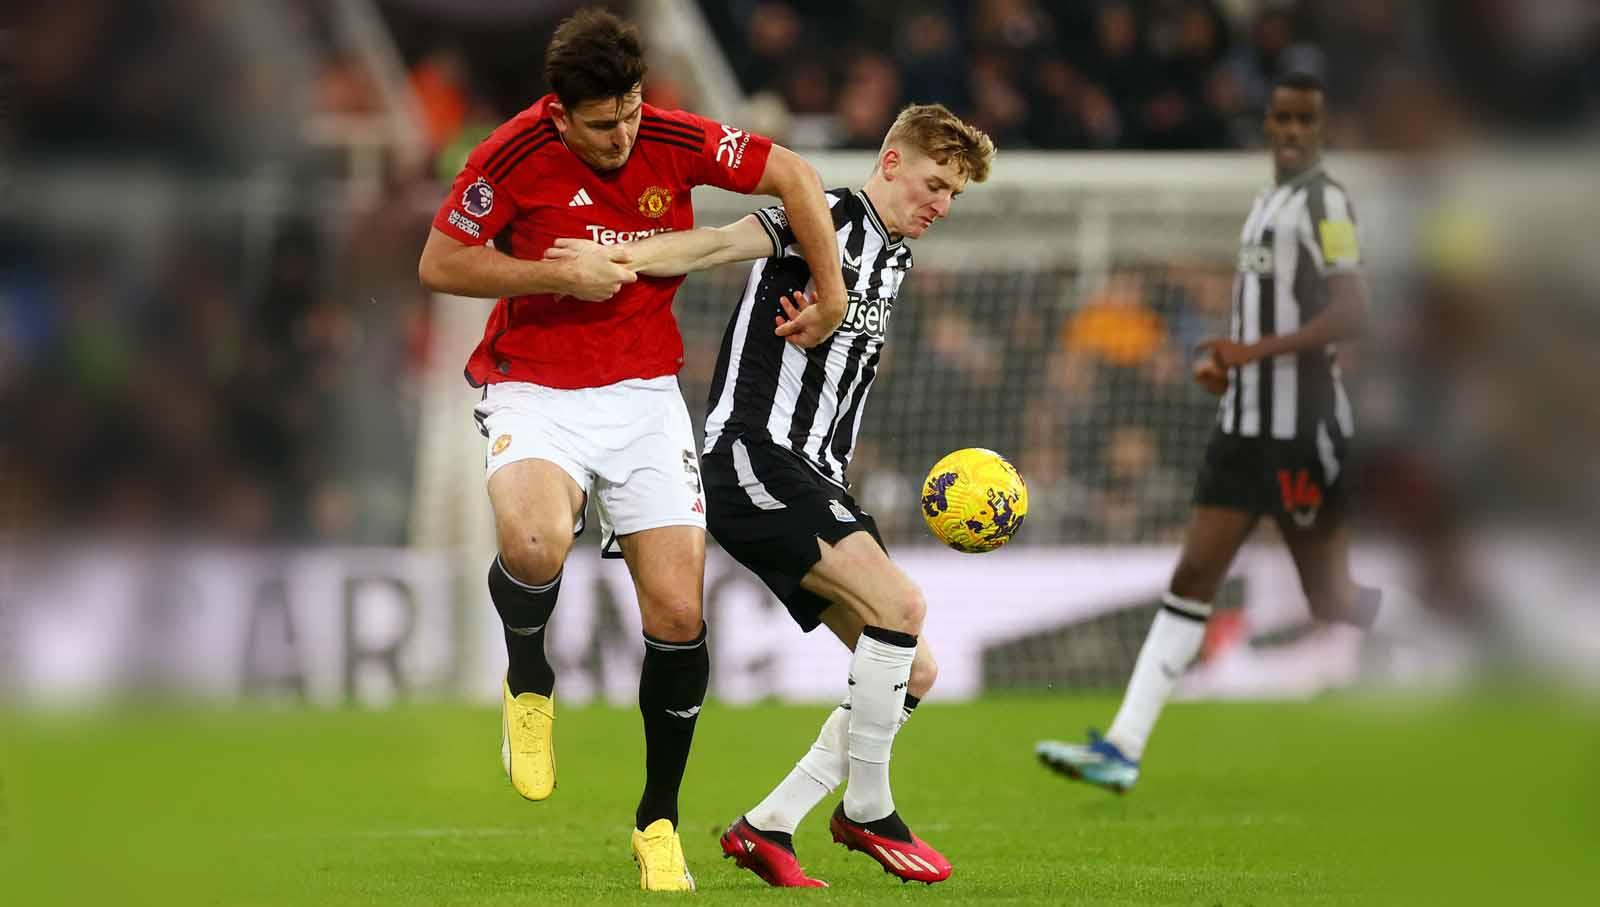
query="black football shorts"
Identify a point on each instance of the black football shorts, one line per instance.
(1299, 482)
(767, 508)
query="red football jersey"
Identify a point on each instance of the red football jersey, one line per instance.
(522, 188)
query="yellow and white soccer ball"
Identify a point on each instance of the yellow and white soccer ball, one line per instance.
(974, 500)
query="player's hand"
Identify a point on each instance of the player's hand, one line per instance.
(593, 272)
(804, 323)
(1228, 353)
(1211, 374)
(568, 248)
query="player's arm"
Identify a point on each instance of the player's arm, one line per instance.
(1327, 230)
(450, 266)
(792, 179)
(684, 252)
(1342, 319)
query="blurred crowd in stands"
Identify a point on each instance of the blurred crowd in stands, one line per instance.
(199, 337)
(1089, 74)
(205, 330)
(1149, 74)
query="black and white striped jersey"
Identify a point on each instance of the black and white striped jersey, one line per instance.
(1298, 234)
(810, 401)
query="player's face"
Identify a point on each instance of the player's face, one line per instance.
(601, 132)
(925, 192)
(1294, 129)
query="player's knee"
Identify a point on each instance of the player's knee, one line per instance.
(673, 619)
(905, 611)
(533, 558)
(924, 671)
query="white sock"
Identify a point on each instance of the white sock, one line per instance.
(818, 772)
(879, 673)
(1174, 641)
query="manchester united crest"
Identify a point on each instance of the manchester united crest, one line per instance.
(500, 445)
(655, 201)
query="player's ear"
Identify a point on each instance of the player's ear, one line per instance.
(559, 114)
(889, 162)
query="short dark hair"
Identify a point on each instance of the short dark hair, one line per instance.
(592, 55)
(1299, 81)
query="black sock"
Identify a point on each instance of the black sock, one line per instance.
(525, 611)
(890, 826)
(911, 706)
(781, 838)
(672, 686)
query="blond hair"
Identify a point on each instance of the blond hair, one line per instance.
(943, 137)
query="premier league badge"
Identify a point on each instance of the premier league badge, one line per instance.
(478, 200)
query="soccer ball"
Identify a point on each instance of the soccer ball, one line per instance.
(974, 500)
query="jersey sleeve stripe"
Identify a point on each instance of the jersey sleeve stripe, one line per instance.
(503, 169)
(679, 129)
(504, 152)
(666, 141)
(693, 135)
(654, 116)
(772, 233)
(512, 166)
(501, 152)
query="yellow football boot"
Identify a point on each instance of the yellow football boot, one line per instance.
(527, 742)
(659, 854)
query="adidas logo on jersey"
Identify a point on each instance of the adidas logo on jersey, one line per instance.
(580, 200)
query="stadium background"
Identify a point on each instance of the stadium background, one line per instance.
(238, 464)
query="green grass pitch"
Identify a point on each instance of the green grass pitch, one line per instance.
(1341, 801)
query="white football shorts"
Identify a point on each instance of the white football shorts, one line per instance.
(629, 445)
